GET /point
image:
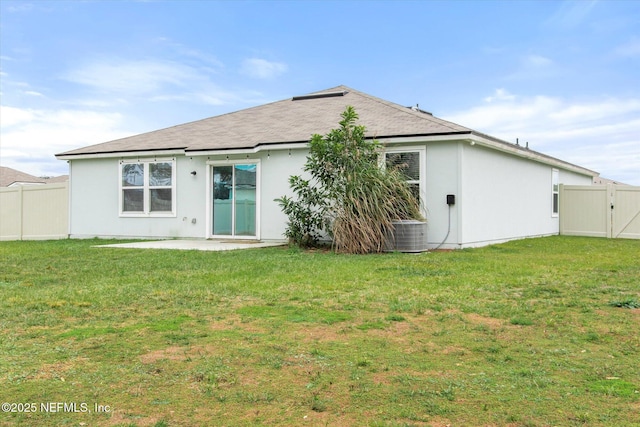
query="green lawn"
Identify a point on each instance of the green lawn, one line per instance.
(537, 332)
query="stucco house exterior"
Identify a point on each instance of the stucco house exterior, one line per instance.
(218, 177)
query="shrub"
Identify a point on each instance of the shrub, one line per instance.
(349, 196)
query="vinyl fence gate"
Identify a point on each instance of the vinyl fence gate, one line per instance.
(610, 210)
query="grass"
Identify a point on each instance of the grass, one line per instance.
(534, 332)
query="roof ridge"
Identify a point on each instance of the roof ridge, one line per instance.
(408, 110)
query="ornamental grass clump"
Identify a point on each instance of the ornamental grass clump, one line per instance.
(349, 196)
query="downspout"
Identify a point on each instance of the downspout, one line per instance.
(69, 200)
(460, 198)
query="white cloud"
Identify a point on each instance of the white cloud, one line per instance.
(132, 76)
(571, 14)
(21, 7)
(189, 53)
(510, 114)
(600, 134)
(126, 81)
(262, 69)
(500, 95)
(17, 87)
(537, 61)
(13, 116)
(534, 66)
(601, 110)
(31, 138)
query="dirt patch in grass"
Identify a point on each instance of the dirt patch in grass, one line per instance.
(118, 418)
(321, 333)
(170, 353)
(236, 322)
(396, 330)
(381, 378)
(58, 370)
(490, 322)
(454, 350)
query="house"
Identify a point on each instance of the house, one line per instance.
(218, 177)
(11, 177)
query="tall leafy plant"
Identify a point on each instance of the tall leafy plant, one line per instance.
(348, 197)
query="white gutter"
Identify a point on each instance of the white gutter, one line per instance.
(256, 149)
(426, 138)
(471, 138)
(121, 154)
(528, 154)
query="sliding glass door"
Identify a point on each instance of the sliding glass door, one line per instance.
(234, 200)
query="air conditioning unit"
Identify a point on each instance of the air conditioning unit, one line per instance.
(407, 236)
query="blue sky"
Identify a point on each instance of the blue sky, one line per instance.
(561, 75)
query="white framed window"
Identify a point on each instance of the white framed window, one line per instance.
(555, 192)
(411, 162)
(147, 187)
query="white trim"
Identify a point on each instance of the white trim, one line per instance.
(209, 202)
(464, 137)
(420, 139)
(69, 201)
(209, 199)
(252, 150)
(121, 155)
(460, 201)
(422, 182)
(555, 181)
(146, 209)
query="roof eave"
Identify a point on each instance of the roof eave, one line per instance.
(443, 136)
(249, 150)
(506, 147)
(291, 145)
(128, 153)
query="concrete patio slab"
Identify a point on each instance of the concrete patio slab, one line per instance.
(198, 245)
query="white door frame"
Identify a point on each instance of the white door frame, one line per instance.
(209, 197)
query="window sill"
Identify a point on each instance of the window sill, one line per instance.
(147, 215)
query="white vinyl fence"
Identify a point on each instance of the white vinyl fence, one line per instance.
(34, 212)
(600, 210)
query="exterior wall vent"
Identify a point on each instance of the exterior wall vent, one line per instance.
(320, 95)
(408, 236)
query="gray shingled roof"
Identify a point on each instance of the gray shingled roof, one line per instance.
(295, 120)
(288, 121)
(10, 176)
